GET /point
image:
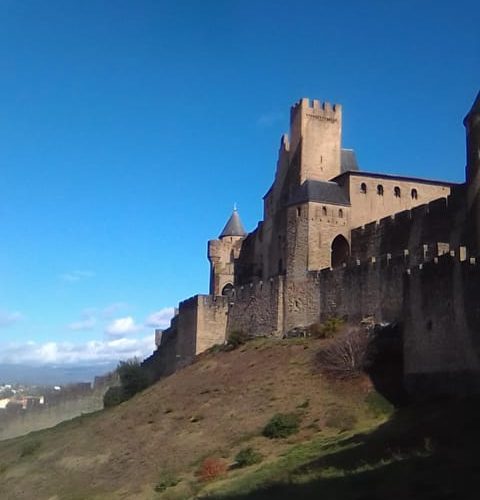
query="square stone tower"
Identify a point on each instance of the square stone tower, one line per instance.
(316, 138)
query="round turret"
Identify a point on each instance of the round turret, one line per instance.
(234, 226)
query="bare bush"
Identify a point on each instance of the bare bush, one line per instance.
(346, 355)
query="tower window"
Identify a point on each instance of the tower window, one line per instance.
(363, 188)
(340, 213)
(299, 211)
(380, 190)
(324, 210)
(414, 194)
(397, 192)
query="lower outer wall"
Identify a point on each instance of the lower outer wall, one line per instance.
(442, 328)
(436, 301)
(257, 309)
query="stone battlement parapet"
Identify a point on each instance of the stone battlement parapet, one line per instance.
(316, 107)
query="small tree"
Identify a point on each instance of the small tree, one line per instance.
(282, 425)
(113, 397)
(133, 378)
(247, 456)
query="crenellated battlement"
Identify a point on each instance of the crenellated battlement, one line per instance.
(427, 253)
(316, 107)
(409, 229)
(315, 137)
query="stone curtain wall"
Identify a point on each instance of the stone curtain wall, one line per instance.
(50, 415)
(410, 229)
(442, 327)
(164, 361)
(257, 308)
(201, 322)
(372, 288)
(211, 321)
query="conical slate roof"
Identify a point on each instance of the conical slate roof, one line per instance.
(234, 226)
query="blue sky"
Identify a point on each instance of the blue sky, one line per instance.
(129, 128)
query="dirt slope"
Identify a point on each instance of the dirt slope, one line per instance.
(212, 408)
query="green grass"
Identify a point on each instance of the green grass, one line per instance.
(424, 452)
(30, 448)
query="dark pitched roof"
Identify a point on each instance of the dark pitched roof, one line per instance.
(340, 178)
(348, 160)
(475, 109)
(321, 192)
(234, 226)
(476, 105)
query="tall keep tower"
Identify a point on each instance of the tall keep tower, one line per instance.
(316, 139)
(222, 254)
(472, 125)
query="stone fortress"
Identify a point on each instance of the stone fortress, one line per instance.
(337, 241)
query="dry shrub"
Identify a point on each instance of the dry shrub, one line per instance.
(212, 468)
(346, 355)
(326, 329)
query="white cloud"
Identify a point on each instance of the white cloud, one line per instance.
(110, 310)
(92, 352)
(160, 319)
(73, 276)
(87, 322)
(122, 326)
(269, 119)
(9, 318)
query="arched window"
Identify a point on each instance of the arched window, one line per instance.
(363, 188)
(380, 190)
(340, 213)
(397, 192)
(324, 210)
(227, 290)
(414, 194)
(340, 251)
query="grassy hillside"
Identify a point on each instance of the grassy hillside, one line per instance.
(154, 445)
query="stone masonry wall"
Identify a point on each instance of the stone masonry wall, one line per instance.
(211, 321)
(370, 205)
(410, 229)
(257, 308)
(442, 327)
(372, 288)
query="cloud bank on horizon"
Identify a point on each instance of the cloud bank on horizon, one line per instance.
(124, 338)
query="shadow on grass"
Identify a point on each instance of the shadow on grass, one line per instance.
(424, 452)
